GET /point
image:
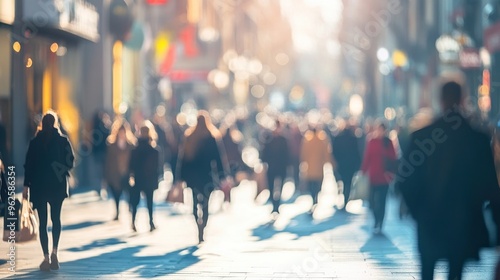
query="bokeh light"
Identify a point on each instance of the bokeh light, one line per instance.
(54, 47)
(282, 59)
(383, 54)
(258, 91)
(16, 46)
(356, 105)
(29, 62)
(390, 113)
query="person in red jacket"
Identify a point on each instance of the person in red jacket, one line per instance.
(379, 150)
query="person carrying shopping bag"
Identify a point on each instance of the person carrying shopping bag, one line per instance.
(48, 162)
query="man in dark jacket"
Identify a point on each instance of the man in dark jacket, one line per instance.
(347, 156)
(275, 154)
(446, 176)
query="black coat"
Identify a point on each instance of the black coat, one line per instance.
(145, 166)
(277, 155)
(346, 152)
(446, 175)
(48, 161)
(204, 170)
(4, 185)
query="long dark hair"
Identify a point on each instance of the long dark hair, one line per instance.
(204, 128)
(49, 127)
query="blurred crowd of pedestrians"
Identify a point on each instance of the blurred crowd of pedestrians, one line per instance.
(444, 169)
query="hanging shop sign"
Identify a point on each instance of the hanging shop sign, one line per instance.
(80, 17)
(470, 58)
(120, 20)
(76, 17)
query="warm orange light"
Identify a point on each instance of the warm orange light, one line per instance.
(47, 91)
(484, 90)
(117, 75)
(399, 58)
(194, 11)
(484, 103)
(297, 94)
(29, 63)
(486, 77)
(16, 46)
(54, 47)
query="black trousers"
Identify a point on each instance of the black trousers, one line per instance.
(135, 197)
(200, 207)
(117, 193)
(378, 197)
(275, 189)
(55, 216)
(455, 271)
(347, 181)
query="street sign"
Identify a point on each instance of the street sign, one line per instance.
(470, 58)
(156, 2)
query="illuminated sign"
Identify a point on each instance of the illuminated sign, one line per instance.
(156, 2)
(7, 11)
(79, 17)
(469, 58)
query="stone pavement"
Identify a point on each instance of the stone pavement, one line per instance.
(241, 243)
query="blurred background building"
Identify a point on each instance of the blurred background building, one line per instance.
(379, 58)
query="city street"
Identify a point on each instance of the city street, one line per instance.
(110, 92)
(241, 243)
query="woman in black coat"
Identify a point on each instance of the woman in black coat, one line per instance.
(202, 166)
(48, 161)
(145, 171)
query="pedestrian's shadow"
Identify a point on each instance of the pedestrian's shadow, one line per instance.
(82, 225)
(303, 225)
(120, 262)
(380, 249)
(101, 243)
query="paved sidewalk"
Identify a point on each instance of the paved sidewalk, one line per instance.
(242, 243)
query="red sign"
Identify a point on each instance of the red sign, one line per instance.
(470, 58)
(183, 76)
(492, 38)
(156, 2)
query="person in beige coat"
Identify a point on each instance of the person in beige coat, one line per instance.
(316, 151)
(120, 144)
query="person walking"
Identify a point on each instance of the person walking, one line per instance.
(294, 137)
(379, 151)
(202, 166)
(48, 162)
(315, 152)
(275, 154)
(144, 168)
(348, 158)
(99, 134)
(446, 175)
(120, 144)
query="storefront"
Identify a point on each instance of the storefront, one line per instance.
(52, 60)
(50, 72)
(7, 15)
